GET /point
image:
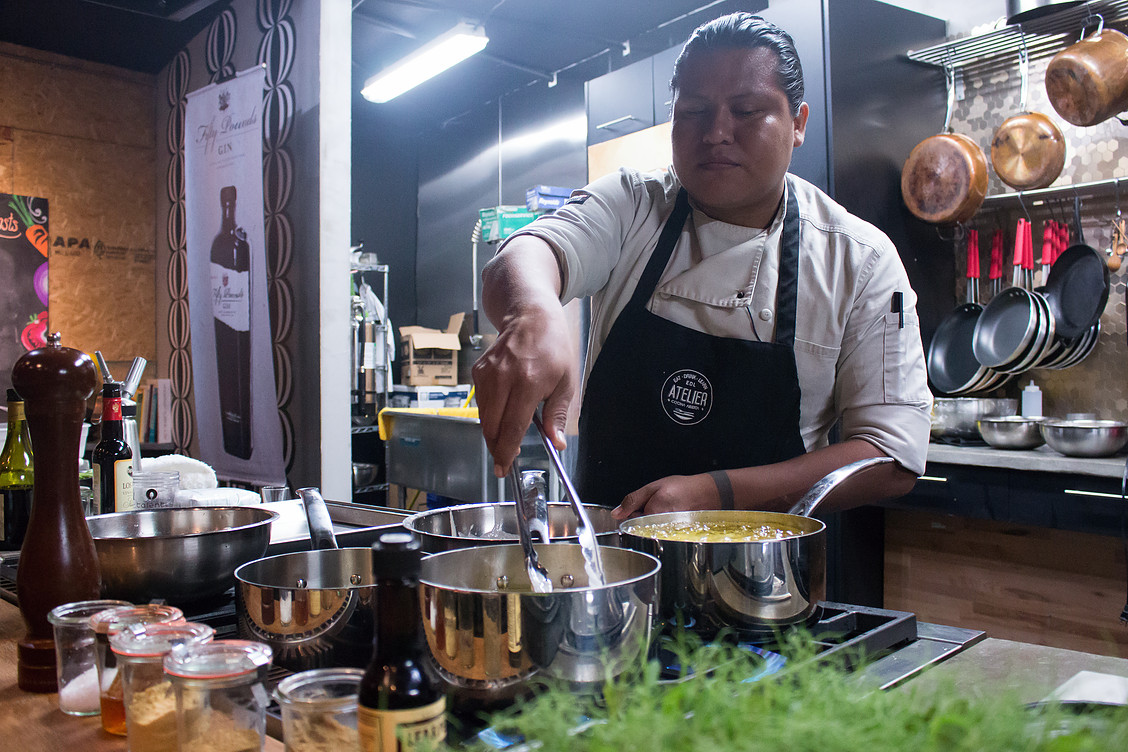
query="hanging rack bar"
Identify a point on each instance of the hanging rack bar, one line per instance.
(1041, 36)
(1094, 189)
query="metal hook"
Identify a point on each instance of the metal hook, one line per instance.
(1024, 70)
(950, 83)
(1077, 216)
(1024, 209)
(1090, 17)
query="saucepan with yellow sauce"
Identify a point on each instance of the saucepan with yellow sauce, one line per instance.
(754, 573)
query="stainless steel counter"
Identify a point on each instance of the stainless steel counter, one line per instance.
(1043, 459)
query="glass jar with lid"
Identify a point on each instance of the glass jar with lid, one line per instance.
(150, 703)
(221, 697)
(319, 709)
(111, 694)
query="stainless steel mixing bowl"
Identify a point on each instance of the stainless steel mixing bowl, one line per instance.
(1085, 438)
(490, 635)
(1012, 432)
(955, 417)
(181, 554)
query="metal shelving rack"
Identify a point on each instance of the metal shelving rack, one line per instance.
(1039, 37)
(384, 327)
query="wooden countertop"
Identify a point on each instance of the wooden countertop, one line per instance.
(33, 722)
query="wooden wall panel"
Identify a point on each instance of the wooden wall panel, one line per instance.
(1037, 585)
(82, 136)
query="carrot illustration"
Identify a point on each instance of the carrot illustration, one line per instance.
(36, 233)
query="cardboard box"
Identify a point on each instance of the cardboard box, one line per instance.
(499, 222)
(546, 197)
(429, 357)
(428, 396)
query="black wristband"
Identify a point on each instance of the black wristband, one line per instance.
(724, 488)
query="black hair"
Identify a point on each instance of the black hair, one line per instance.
(746, 31)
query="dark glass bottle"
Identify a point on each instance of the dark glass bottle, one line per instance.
(401, 702)
(112, 459)
(231, 308)
(17, 476)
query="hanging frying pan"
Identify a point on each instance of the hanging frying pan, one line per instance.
(1028, 149)
(944, 180)
(1077, 290)
(952, 366)
(1008, 325)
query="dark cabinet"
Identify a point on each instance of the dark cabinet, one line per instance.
(620, 102)
(663, 69)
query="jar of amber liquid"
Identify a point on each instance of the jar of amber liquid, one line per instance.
(111, 693)
(150, 703)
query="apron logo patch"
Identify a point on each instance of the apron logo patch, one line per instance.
(687, 397)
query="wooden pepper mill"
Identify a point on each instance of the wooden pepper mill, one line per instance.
(58, 562)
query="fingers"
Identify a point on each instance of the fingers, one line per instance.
(634, 502)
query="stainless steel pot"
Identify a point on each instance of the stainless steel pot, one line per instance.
(314, 608)
(490, 636)
(753, 588)
(469, 525)
(182, 555)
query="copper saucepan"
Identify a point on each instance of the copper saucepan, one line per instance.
(944, 180)
(1087, 82)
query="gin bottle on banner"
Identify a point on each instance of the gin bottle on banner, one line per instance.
(231, 308)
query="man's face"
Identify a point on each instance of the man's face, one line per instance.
(733, 134)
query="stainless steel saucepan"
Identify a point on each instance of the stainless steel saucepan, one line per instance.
(753, 588)
(314, 608)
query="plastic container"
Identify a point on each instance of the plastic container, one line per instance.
(111, 693)
(155, 490)
(220, 695)
(75, 656)
(1031, 401)
(150, 702)
(319, 709)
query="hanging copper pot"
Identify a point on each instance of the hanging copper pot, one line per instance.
(944, 180)
(1028, 149)
(1087, 82)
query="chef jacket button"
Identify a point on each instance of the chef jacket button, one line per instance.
(765, 314)
(740, 293)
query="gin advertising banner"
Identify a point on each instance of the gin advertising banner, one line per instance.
(23, 267)
(239, 431)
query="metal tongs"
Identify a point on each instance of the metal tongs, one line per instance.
(532, 511)
(593, 562)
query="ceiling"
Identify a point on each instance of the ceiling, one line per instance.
(530, 40)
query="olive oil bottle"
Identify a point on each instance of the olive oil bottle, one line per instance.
(402, 706)
(17, 477)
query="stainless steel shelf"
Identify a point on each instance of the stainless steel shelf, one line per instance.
(1095, 189)
(1041, 37)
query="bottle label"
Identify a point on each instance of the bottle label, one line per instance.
(402, 730)
(231, 298)
(111, 408)
(15, 412)
(123, 485)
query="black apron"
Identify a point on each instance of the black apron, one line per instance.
(663, 399)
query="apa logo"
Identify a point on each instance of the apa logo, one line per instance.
(61, 242)
(687, 397)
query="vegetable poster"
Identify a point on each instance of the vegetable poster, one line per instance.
(23, 268)
(237, 421)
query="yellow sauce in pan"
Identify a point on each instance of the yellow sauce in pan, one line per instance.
(713, 532)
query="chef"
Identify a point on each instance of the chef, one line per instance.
(738, 313)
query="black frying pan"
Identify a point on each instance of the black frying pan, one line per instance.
(952, 366)
(1077, 290)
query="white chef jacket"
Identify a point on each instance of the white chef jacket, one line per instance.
(858, 360)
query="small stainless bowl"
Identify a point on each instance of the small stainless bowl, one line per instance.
(1085, 438)
(1012, 431)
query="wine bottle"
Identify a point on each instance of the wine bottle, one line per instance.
(231, 308)
(401, 703)
(17, 476)
(112, 459)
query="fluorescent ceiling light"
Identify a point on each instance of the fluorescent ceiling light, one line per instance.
(445, 51)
